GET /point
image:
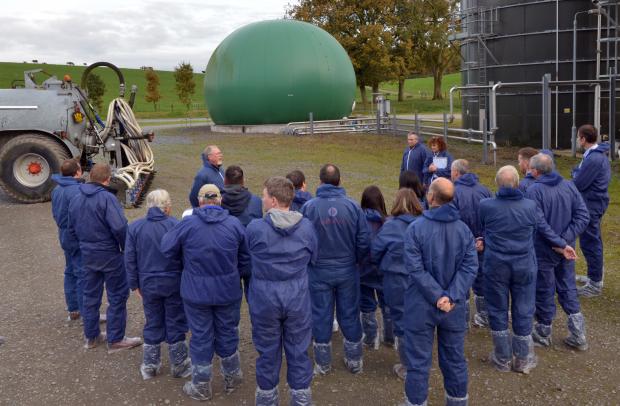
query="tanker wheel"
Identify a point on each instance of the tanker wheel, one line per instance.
(27, 162)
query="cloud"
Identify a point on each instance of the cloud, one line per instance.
(154, 33)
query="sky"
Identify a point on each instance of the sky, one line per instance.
(129, 33)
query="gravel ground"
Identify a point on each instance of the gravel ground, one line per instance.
(42, 361)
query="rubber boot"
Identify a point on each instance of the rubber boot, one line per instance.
(322, 358)
(541, 334)
(501, 356)
(151, 361)
(231, 371)
(199, 388)
(353, 356)
(456, 401)
(481, 317)
(524, 357)
(369, 325)
(180, 363)
(577, 329)
(266, 397)
(300, 397)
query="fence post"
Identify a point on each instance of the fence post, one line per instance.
(311, 116)
(612, 113)
(394, 124)
(485, 143)
(378, 121)
(546, 111)
(445, 127)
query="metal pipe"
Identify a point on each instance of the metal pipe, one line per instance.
(546, 111)
(612, 114)
(557, 72)
(597, 89)
(493, 106)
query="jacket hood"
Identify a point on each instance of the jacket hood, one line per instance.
(407, 218)
(603, 148)
(550, 179)
(445, 214)
(283, 221)
(468, 179)
(327, 190)
(92, 188)
(66, 180)
(235, 199)
(373, 215)
(211, 214)
(509, 193)
(155, 214)
(301, 197)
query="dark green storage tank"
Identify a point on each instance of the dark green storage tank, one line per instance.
(274, 72)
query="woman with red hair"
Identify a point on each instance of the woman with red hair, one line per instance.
(438, 164)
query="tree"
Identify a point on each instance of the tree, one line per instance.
(364, 28)
(96, 89)
(185, 85)
(152, 88)
(406, 22)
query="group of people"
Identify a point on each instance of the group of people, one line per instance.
(307, 258)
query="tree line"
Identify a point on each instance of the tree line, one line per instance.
(388, 40)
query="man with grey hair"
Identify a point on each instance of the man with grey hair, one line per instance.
(210, 173)
(157, 280)
(566, 214)
(467, 195)
(509, 222)
(414, 156)
(213, 249)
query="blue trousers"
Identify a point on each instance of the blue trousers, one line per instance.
(73, 283)
(281, 317)
(115, 281)
(451, 353)
(551, 279)
(164, 313)
(394, 288)
(342, 289)
(510, 284)
(478, 286)
(214, 330)
(370, 298)
(592, 247)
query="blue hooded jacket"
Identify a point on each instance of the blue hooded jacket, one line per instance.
(387, 250)
(208, 174)
(592, 179)
(442, 173)
(440, 257)
(369, 272)
(301, 197)
(97, 222)
(67, 189)
(526, 182)
(242, 204)
(563, 209)
(467, 195)
(340, 226)
(147, 268)
(213, 248)
(414, 159)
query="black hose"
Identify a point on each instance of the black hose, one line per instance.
(121, 78)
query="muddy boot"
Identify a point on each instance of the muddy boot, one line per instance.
(481, 317)
(151, 361)
(541, 334)
(590, 289)
(577, 329)
(400, 369)
(353, 356)
(501, 356)
(524, 357)
(199, 388)
(90, 343)
(322, 358)
(388, 329)
(231, 371)
(369, 325)
(126, 343)
(180, 364)
(266, 397)
(457, 401)
(300, 397)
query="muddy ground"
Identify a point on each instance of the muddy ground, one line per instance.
(42, 361)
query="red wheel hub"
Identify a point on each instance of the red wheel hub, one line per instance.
(34, 168)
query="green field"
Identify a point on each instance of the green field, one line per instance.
(418, 91)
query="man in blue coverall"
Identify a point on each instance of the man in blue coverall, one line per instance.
(592, 178)
(301, 193)
(213, 248)
(343, 236)
(282, 245)
(414, 156)
(566, 213)
(467, 195)
(509, 223)
(441, 259)
(96, 221)
(157, 280)
(210, 173)
(69, 180)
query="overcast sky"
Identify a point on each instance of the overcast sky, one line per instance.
(127, 33)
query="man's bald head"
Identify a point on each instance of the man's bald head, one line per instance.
(440, 192)
(507, 176)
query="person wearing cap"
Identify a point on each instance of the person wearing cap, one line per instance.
(210, 173)
(213, 249)
(282, 245)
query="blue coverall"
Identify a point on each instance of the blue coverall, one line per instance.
(414, 159)
(301, 197)
(208, 174)
(439, 173)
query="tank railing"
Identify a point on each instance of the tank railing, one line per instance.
(344, 125)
